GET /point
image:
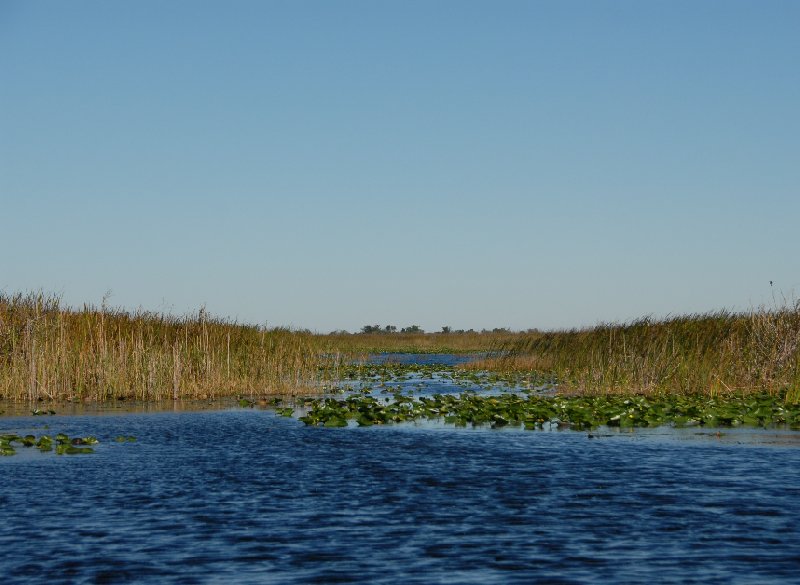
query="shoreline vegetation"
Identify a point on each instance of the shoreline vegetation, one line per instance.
(49, 352)
(711, 354)
(455, 342)
(53, 353)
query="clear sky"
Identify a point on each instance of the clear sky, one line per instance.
(331, 164)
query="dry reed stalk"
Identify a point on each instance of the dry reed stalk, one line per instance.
(716, 353)
(47, 351)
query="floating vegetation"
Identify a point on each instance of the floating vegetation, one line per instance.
(575, 412)
(62, 444)
(392, 377)
(38, 412)
(5, 445)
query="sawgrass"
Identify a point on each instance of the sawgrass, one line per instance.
(52, 352)
(454, 342)
(714, 353)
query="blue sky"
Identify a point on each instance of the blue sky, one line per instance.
(475, 164)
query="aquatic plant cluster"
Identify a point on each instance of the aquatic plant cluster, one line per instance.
(574, 412)
(49, 352)
(390, 376)
(61, 443)
(711, 354)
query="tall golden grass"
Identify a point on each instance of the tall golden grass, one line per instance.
(51, 352)
(714, 353)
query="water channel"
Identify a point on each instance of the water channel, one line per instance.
(244, 496)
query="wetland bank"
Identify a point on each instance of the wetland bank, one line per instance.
(457, 467)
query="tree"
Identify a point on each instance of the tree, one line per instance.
(412, 329)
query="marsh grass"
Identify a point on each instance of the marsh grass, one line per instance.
(713, 354)
(51, 352)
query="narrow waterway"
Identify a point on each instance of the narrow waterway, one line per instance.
(244, 496)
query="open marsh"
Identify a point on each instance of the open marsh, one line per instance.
(246, 495)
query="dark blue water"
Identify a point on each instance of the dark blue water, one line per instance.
(242, 496)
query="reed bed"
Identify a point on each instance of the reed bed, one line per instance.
(52, 352)
(713, 354)
(454, 342)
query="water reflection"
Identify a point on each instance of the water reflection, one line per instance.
(78, 408)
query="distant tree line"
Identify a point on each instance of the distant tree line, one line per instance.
(391, 329)
(417, 329)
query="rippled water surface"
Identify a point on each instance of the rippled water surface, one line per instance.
(243, 496)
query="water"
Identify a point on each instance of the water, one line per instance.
(244, 496)
(424, 359)
(440, 376)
